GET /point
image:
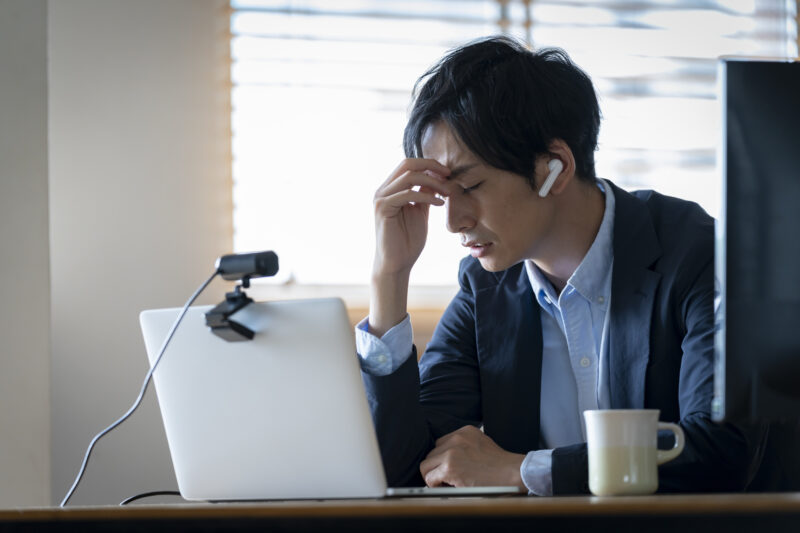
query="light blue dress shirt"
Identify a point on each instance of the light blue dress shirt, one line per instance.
(574, 352)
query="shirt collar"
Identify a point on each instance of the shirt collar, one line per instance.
(591, 277)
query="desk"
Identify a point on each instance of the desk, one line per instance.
(765, 513)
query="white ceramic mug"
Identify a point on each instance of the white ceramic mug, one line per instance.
(623, 452)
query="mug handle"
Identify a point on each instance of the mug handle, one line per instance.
(668, 455)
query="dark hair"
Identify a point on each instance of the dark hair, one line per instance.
(507, 103)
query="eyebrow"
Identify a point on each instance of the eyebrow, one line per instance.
(456, 172)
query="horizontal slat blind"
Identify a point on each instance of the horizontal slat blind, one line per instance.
(321, 91)
(654, 64)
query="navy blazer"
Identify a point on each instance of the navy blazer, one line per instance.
(483, 364)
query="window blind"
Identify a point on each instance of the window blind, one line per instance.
(321, 91)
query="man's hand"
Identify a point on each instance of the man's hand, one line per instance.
(468, 458)
(401, 212)
(401, 205)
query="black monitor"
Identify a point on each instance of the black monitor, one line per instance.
(757, 372)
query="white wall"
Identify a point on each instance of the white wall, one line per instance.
(140, 207)
(24, 274)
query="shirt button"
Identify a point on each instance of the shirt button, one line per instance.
(381, 358)
(585, 362)
(600, 299)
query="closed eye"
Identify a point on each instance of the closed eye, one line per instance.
(470, 189)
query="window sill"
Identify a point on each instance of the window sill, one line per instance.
(354, 296)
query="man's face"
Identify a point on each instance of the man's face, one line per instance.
(501, 219)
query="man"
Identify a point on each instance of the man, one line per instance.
(577, 295)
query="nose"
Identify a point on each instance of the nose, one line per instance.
(460, 214)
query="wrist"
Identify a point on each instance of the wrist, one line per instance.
(388, 302)
(515, 473)
(382, 271)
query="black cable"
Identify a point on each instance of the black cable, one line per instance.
(126, 501)
(139, 399)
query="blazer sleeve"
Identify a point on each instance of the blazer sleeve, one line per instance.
(420, 402)
(717, 457)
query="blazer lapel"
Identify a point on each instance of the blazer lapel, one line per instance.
(633, 288)
(509, 340)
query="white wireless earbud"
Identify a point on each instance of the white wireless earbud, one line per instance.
(555, 166)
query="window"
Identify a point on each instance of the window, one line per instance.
(321, 91)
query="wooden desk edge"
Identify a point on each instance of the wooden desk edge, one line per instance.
(742, 504)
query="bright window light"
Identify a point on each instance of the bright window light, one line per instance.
(321, 92)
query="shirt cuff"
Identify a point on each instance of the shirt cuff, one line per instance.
(537, 472)
(382, 356)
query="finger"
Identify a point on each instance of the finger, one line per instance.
(433, 191)
(415, 180)
(416, 165)
(442, 476)
(434, 472)
(435, 478)
(390, 205)
(428, 464)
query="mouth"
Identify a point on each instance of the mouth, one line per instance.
(478, 249)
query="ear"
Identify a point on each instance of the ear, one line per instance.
(560, 150)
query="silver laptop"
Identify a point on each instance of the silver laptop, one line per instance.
(283, 416)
